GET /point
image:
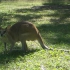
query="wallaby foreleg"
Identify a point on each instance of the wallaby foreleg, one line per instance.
(24, 46)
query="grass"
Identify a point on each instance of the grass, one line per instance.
(53, 24)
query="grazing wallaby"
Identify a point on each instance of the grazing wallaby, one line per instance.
(21, 31)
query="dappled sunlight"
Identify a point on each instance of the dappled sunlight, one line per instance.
(56, 34)
(52, 18)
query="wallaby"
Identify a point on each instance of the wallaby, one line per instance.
(21, 31)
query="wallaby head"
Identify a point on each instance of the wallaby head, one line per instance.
(22, 31)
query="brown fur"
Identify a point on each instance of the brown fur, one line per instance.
(21, 31)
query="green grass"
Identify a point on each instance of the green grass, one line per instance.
(53, 23)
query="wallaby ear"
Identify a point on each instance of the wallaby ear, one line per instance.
(3, 31)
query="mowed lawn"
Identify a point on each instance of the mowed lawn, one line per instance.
(53, 22)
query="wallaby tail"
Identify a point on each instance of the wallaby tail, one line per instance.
(41, 42)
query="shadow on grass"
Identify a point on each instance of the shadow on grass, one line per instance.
(27, 17)
(61, 31)
(51, 6)
(4, 18)
(58, 33)
(62, 12)
(59, 26)
(8, 57)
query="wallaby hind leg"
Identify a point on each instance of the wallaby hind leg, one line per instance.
(5, 47)
(12, 46)
(24, 46)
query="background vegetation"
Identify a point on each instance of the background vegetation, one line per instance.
(52, 18)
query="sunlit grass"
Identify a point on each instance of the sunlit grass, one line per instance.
(54, 27)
